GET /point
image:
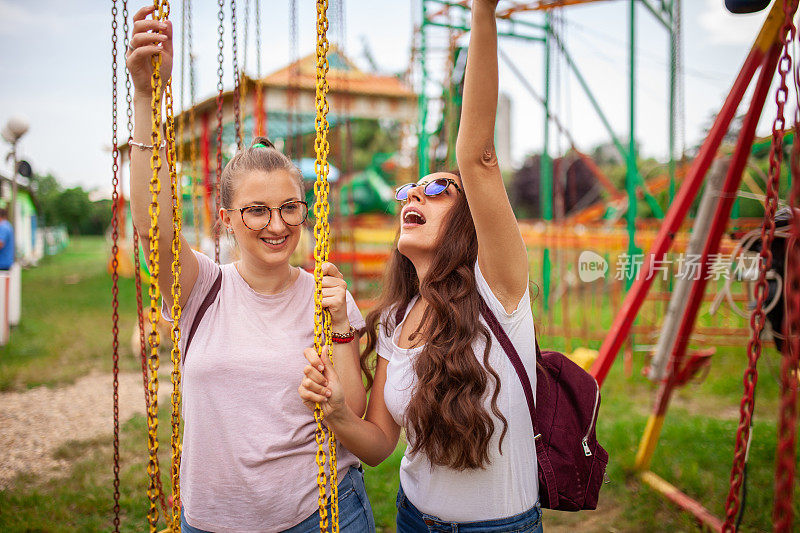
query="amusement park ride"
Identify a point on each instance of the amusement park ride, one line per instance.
(282, 104)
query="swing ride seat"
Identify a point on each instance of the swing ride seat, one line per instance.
(697, 361)
(694, 363)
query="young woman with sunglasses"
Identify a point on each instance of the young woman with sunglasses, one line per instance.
(248, 459)
(470, 463)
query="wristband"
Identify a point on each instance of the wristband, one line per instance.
(344, 338)
(143, 146)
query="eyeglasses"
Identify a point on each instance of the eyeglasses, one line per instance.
(257, 217)
(430, 188)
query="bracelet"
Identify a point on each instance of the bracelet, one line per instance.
(143, 146)
(344, 338)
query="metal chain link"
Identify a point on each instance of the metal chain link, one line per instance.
(242, 83)
(322, 317)
(153, 314)
(246, 33)
(259, 127)
(136, 262)
(220, 57)
(115, 256)
(758, 317)
(292, 89)
(175, 289)
(181, 101)
(193, 139)
(237, 77)
(785, 465)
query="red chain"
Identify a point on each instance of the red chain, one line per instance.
(143, 347)
(115, 256)
(758, 317)
(785, 453)
(237, 78)
(221, 32)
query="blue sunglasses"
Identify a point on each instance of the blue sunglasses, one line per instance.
(430, 188)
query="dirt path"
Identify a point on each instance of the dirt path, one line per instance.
(34, 423)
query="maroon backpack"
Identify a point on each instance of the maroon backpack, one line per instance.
(572, 463)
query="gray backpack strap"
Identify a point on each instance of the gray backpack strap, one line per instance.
(209, 299)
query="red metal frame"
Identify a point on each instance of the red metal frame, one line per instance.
(765, 52)
(672, 221)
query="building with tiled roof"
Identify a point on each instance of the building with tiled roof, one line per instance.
(288, 99)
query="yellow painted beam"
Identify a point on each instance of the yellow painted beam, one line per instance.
(647, 446)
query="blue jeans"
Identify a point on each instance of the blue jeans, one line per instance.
(412, 520)
(355, 512)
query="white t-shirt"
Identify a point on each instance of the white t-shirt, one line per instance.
(508, 485)
(248, 441)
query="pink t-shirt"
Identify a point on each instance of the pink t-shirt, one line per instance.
(248, 440)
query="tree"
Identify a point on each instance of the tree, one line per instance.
(70, 207)
(47, 191)
(73, 208)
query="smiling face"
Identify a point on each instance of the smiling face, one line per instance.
(273, 245)
(423, 217)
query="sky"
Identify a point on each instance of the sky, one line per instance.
(56, 71)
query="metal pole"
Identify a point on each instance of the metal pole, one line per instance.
(631, 171)
(686, 194)
(12, 211)
(546, 168)
(617, 143)
(673, 53)
(422, 136)
(680, 294)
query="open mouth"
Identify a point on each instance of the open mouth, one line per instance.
(413, 217)
(275, 242)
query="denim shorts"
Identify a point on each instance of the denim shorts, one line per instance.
(412, 520)
(355, 512)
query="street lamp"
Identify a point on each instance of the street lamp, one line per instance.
(15, 128)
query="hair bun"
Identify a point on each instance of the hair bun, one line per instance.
(263, 141)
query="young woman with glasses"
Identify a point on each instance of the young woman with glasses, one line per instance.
(470, 463)
(248, 459)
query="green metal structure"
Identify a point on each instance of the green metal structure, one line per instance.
(436, 14)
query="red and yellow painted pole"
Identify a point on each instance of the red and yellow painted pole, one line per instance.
(635, 297)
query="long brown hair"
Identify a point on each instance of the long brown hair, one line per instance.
(446, 414)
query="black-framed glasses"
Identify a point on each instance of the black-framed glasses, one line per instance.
(430, 188)
(257, 217)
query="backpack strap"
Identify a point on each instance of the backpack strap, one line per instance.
(209, 299)
(545, 468)
(513, 356)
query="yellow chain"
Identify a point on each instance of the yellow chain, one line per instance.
(157, 85)
(322, 318)
(175, 332)
(154, 293)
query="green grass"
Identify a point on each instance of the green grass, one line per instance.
(65, 329)
(695, 450)
(65, 332)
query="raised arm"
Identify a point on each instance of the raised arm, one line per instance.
(502, 256)
(151, 37)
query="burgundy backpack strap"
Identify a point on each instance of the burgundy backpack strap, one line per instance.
(513, 356)
(545, 467)
(210, 297)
